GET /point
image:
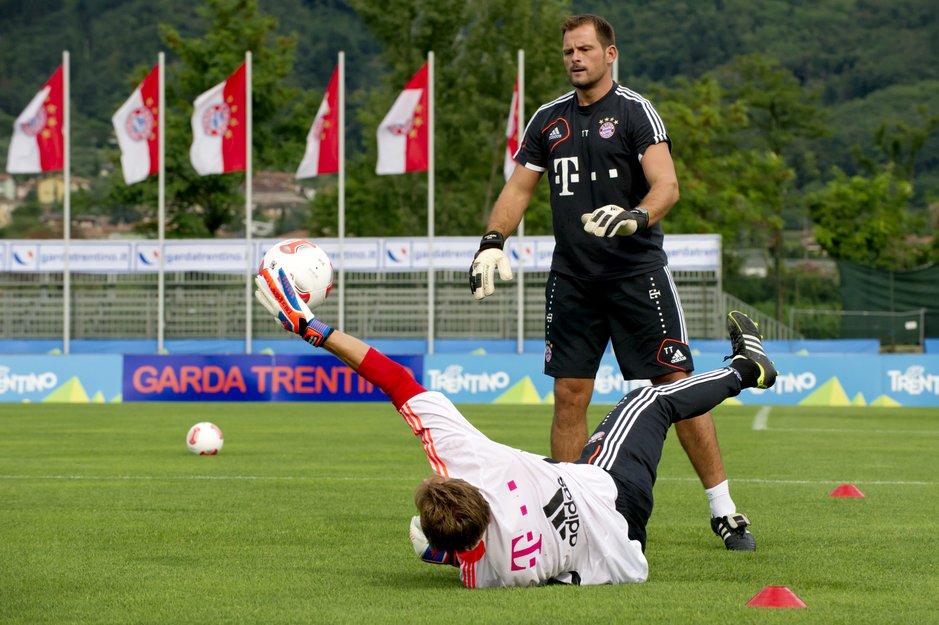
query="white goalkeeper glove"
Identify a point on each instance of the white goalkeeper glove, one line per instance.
(423, 549)
(279, 297)
(611, 220)
(482, 273)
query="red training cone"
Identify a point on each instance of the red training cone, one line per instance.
(846, 490)
(775, 597)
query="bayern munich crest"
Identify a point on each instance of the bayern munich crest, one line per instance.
(35, 125)
(140, 124)
(215, 119)
(607, 128)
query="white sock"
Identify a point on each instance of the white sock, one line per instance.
(720, 501)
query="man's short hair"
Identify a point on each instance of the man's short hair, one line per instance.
(605, 34)
(454, 514)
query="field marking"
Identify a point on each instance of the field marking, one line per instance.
(346, 478)
(761, 420)
(856, 431)
(758, 480)
(235, 478)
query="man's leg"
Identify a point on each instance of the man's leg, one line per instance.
(628, 442)
(576, 335)
(569, 427)
(698, 437)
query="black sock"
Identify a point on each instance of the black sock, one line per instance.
(749, 371)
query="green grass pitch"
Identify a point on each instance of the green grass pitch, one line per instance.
(106, 518)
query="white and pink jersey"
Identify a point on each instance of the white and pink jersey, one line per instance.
(550, 521)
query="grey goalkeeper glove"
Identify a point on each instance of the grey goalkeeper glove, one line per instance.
(611, 220)
(482, 273)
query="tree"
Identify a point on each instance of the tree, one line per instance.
(865, 220)
(900, 143)
(780, 112)
(201, 205)
(475, 51)
(869, 218)
(725, 188)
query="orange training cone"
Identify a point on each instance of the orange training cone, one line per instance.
(846, 490)
(776, 597)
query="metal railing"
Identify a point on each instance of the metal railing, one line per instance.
(892, 329)
(377, 305)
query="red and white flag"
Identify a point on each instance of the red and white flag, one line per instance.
(37, 144)
(403, 134)
(322, 142)
(219, 142)
(137, 124)
(511, 135)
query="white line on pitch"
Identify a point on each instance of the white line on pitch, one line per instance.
(858, 431)
(757, 480)
(761, 420)
(224, 478)
(347, 478)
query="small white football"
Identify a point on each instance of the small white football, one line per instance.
(205, 439)
(307, 264)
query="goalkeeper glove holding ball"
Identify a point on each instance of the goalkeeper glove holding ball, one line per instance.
(278, 296)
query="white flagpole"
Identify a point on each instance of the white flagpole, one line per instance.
(249, 256)
(161, 202)
(520, 233)
(342, 190)
(431, 277)
(66, 208)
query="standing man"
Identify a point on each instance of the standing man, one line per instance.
(608, 162)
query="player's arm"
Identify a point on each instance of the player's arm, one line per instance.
(506, 215)
(277, 294)
(513, 201)
(659, 170)
(612, 220)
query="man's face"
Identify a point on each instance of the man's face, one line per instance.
(585, 58)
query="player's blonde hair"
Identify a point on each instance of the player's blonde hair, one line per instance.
(605, 34)
(454, 514)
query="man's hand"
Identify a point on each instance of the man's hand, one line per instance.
(279, 297)
(611, 220)
(423, 549)
(482, 274)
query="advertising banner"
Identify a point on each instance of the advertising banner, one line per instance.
(196, 378)
(887, 380)
(820, 380)
(69, 379)
(324, 378)
(512, 379)
(910, 380)
(249, 378)
(686, 252)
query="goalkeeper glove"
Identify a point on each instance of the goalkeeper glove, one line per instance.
(423, 549)
(611, 220)
(278, 296)
(489, 257)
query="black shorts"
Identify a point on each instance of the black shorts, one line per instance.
(641, 315)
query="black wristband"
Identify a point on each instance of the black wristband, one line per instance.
(492, 238)
(641, 217)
